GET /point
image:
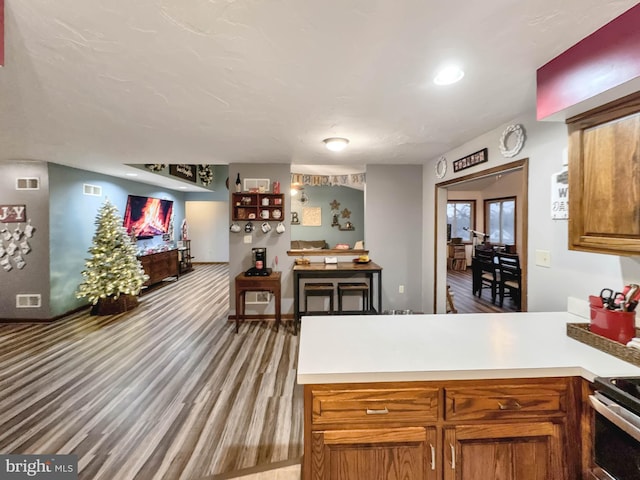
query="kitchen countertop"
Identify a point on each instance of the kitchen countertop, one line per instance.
(385, 348)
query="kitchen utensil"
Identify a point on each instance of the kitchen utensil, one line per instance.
(612, 300)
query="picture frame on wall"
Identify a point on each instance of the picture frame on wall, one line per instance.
(185, 172)
(260, 185)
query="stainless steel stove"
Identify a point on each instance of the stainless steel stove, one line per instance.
(617, 428)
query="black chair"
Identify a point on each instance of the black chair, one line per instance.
(510, 283)
(485, 272)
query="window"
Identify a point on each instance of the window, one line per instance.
(500, 216)
(461, 216)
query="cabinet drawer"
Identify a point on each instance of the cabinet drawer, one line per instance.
(374, 405)
(500, 402)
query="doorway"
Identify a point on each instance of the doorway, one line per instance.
(479, 191)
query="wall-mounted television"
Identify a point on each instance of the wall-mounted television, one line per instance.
(147, 216)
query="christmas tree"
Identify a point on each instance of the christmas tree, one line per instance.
(113, 269)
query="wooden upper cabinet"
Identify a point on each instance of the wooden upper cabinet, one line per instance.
(604, 178)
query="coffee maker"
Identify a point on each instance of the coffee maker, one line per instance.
(259, 263)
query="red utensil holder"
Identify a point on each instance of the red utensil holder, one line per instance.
(613, 324)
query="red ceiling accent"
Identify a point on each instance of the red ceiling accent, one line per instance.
(605, 59)
(1, 32)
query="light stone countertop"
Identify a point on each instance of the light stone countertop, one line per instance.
(385, 348)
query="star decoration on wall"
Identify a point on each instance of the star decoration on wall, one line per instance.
(346, 213)
(335, 205)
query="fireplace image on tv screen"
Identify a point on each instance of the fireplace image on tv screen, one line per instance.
(145, 217)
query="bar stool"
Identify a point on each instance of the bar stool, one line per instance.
(318, 290)
(354, 289)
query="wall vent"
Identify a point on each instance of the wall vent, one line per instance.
(28, 183)
(28, 300)
(93, 190)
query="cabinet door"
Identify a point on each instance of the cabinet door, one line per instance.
(516, 451)
(604, 179)
(381, 454)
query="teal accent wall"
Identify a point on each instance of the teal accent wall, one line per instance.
(72, 217)
(322, 197)
(219, 191)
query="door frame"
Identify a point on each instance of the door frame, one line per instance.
(440, 233)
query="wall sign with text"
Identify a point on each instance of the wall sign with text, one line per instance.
(13, 213)
(186, 172)
(472, 160)
(560, 195)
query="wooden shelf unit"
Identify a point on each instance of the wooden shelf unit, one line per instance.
(457, 258)
(249, 206)
(184, 257)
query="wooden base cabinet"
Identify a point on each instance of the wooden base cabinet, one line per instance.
(458, 430)
(516, 451)
(160, 265)
(390, 453)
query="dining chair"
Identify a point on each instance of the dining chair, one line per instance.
(510, 283)
(485, 272)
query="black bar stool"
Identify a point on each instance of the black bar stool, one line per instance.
(318, 290)
(354, 289)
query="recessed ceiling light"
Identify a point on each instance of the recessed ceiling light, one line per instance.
(336, 144)
(131, 174)
(183, 188)
(448, 75)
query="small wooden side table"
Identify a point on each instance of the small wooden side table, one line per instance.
(267, 283)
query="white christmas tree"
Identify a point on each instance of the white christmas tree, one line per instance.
(113, 269)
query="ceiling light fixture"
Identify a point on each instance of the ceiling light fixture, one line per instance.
(448, 75)
(336, 144)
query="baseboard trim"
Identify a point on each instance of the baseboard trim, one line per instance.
(45, 320)
(261, 318)
(254, 470)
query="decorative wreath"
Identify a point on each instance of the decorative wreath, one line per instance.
(206, 174)
(441, 167)
(516, 130)
(155, 167)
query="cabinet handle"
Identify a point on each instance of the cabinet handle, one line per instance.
(371, 411)
(433, 457)
(512, 405)
(453, 456)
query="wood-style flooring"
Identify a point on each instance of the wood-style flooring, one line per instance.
(461, 284)
(165, 391)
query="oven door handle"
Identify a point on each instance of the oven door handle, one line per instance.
(608, 411)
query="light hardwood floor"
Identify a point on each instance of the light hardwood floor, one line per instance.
(166, 391)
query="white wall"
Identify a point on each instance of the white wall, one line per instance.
(208, 229)
(394, 231)
(572, 273)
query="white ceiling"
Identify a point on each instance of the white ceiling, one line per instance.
(97, 84)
